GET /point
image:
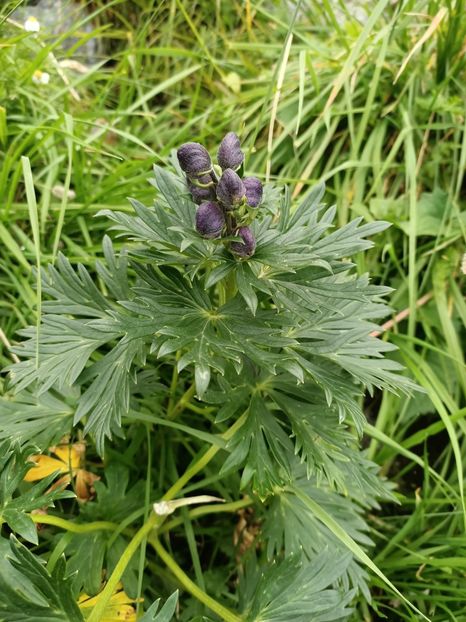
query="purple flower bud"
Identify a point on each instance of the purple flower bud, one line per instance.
(253, 191)
(194, 159)
(210, 219)
(229, 154)
(247, 247)
(230, 189)
(202, 194)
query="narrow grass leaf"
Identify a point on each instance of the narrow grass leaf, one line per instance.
(34, 220)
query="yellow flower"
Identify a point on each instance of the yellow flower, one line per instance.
(119, 607)
(68, 461)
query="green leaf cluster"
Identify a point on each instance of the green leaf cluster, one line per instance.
(279, 345)
(30, 592)
(292, 588)
(14, 507)
(299, 309)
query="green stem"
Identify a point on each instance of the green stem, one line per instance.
(199, 410)
(155, 521)
(222, 298)
(62, 523)
(111, 585)
(190, 586)
(143, 549)
(181, 404)
(230, 286)
(204, 510)
(227, 288)
(173, 384)
(201, 462)
(190, 472)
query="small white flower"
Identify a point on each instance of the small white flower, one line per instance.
(40, 77)
(32, 24)
(163, 508)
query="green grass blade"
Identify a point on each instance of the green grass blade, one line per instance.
(34, 220)
(328, 520)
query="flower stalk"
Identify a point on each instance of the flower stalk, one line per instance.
(154, 522)
(190, 586)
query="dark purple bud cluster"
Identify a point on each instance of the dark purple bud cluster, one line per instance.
(229, 154)
(194, 159)
(210, 219)
(202, 189)
(230, 189)
(227, 202)
(247, 245)
(253, 191)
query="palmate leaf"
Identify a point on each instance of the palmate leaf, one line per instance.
(296, 589)
(65, 347)
(325, 446)
(298, 239)
(208, 335)
(65, 350)
(329, 450)
(44, 420)
(334, 318)
(290, 527)
(265, 448)
(14, 508)
(284, 419)
(67, 344)
(74, 292)
(109, 391)
(29, 592)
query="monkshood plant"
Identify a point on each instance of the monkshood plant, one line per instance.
(218, 361)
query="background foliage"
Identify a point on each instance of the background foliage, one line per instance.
(372, 102)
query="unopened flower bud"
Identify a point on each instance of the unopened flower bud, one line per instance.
(194, 159)
(210, 219)
(253, 188)
(229, 154)
(200, 193)
(230, 189)
(247, 247)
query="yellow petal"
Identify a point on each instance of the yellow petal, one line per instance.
(117, 613)
(119, 607)
(68, 454)
(44, 465)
